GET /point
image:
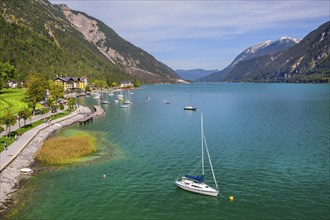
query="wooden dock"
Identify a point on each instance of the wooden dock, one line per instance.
(99, 112)
(85, 119)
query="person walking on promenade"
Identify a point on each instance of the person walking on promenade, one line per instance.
(5, 145)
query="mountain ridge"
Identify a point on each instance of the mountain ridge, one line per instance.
(194, 74)
(268, 47)
(134, 60)
(308, 61)
(37, 37)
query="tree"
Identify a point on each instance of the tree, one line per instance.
(8, 119)
(71, 103)
(137, 83)
(56, 90)
(19, 116)
(50, 102)
(37, 87)
(7, 72)
(25, 114)
(114, 84)
(101, 83)
(87, 89)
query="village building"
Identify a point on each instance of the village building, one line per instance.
(14, 84)
(126, 85)
(72, 83)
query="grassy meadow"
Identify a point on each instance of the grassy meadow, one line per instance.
(66, 150)
(12, 100)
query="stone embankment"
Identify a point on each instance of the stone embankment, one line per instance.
(74, 95)
(11, 175)
(99, 112)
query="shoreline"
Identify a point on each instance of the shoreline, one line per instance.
(10, 176)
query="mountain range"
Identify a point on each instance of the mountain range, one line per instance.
(194, 74)
(268, 47)
(37, 36)
(284, 60)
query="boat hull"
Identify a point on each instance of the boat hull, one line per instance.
(200, 188)
(189, 108)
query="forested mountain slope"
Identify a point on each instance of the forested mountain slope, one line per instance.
(37, 37)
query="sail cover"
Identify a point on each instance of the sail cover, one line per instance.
(198, 178)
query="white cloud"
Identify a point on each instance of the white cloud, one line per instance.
(162, 27)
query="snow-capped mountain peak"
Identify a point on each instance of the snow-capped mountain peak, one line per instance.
(268, 47)
(257, 47)
(295, 40)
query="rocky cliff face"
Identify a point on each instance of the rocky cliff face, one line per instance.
(90, 30)
(135, 61)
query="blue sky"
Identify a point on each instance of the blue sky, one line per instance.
(209, 34)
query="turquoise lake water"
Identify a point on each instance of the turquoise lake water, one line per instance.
(269, 144)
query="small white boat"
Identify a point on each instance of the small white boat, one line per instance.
(128, 99)
(190, 107)
(116, 101)
(195, 183)
(105, 102)
(120, 95)
(26, 170)
(124, 106)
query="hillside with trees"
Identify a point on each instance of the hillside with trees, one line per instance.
(36, 37)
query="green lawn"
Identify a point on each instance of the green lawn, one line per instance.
(12, 99)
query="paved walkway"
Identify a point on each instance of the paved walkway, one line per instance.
(34, 118)
(6, 156)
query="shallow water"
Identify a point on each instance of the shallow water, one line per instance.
(269, 145)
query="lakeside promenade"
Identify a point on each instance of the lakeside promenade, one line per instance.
(6, 156)
(20, 154)
(34, 118)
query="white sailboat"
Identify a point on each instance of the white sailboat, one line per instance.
(195, 183)
(120, 96)
(128, 99)
(104, 101)
(124, 106)
(190, 107)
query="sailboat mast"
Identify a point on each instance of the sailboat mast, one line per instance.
(190, 98)
(208, 155)
(202, 140)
